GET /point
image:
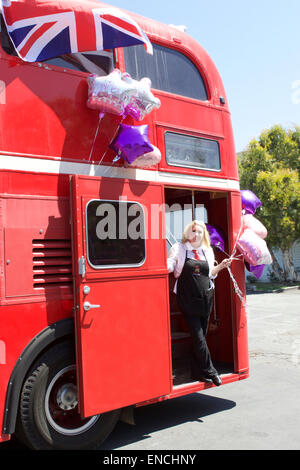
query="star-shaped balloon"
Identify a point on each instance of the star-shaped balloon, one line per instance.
(131, 142)
(142, 102)
(109, 93)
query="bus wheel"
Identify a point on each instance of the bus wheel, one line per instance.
(48, 417)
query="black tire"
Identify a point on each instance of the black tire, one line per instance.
(48, 417)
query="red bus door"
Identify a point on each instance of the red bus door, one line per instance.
(121, 293)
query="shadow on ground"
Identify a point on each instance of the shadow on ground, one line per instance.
(164, 415)
(152, 418)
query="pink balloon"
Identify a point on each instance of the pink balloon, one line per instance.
(143, 101)
(249, 221)
(147, 160)
(254, 248)
(109, 94)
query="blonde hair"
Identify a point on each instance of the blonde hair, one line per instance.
(191, 226)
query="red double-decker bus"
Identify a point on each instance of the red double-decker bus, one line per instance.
(90, 327)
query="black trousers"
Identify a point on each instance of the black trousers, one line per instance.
(198, 326)
(195, 300)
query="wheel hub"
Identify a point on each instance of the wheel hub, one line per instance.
(67, 397)
(61, 405)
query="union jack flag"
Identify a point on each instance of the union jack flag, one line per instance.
(42, 29)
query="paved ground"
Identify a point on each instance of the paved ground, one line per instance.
(260, 413)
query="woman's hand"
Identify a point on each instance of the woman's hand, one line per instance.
(224, 264)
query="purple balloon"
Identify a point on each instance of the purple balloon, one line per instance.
(256, 270)
(216, 237)
(250, 202)
(131, 142)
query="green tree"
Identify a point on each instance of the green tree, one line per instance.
(270, 167)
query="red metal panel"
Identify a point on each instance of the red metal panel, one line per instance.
(29, 203)
(18, 249)
(123, 347)
(37, 243)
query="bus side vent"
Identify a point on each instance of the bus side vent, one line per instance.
(52, 263)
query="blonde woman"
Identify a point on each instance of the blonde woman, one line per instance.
(193, 263)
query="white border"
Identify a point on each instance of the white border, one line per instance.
(40, 165)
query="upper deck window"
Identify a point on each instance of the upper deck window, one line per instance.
(100, 63)
(192, 152)
(169, 70)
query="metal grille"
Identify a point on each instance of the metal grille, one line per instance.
(52, 263)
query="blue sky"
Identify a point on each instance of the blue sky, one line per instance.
(256, 48)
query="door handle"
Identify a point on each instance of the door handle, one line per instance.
(87, 306)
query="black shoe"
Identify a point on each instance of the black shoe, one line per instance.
(216, 379)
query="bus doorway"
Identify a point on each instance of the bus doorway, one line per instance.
(183, 206)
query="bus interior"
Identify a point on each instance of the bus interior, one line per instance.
(183, 206)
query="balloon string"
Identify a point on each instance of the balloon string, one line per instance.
(100, 161)
(238, 236)
(236, 288)
(235, 284)
(96, 133)
(238, 258)
(115, 159)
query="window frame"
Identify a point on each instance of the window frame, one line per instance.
(195, 167)
(187, 55)
(115, 266)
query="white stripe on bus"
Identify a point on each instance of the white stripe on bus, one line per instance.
(40, 165)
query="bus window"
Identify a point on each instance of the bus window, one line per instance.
(192, 152)
(169, 70)
(99, 63)
(116, 234)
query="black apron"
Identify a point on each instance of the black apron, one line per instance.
(193, 289)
